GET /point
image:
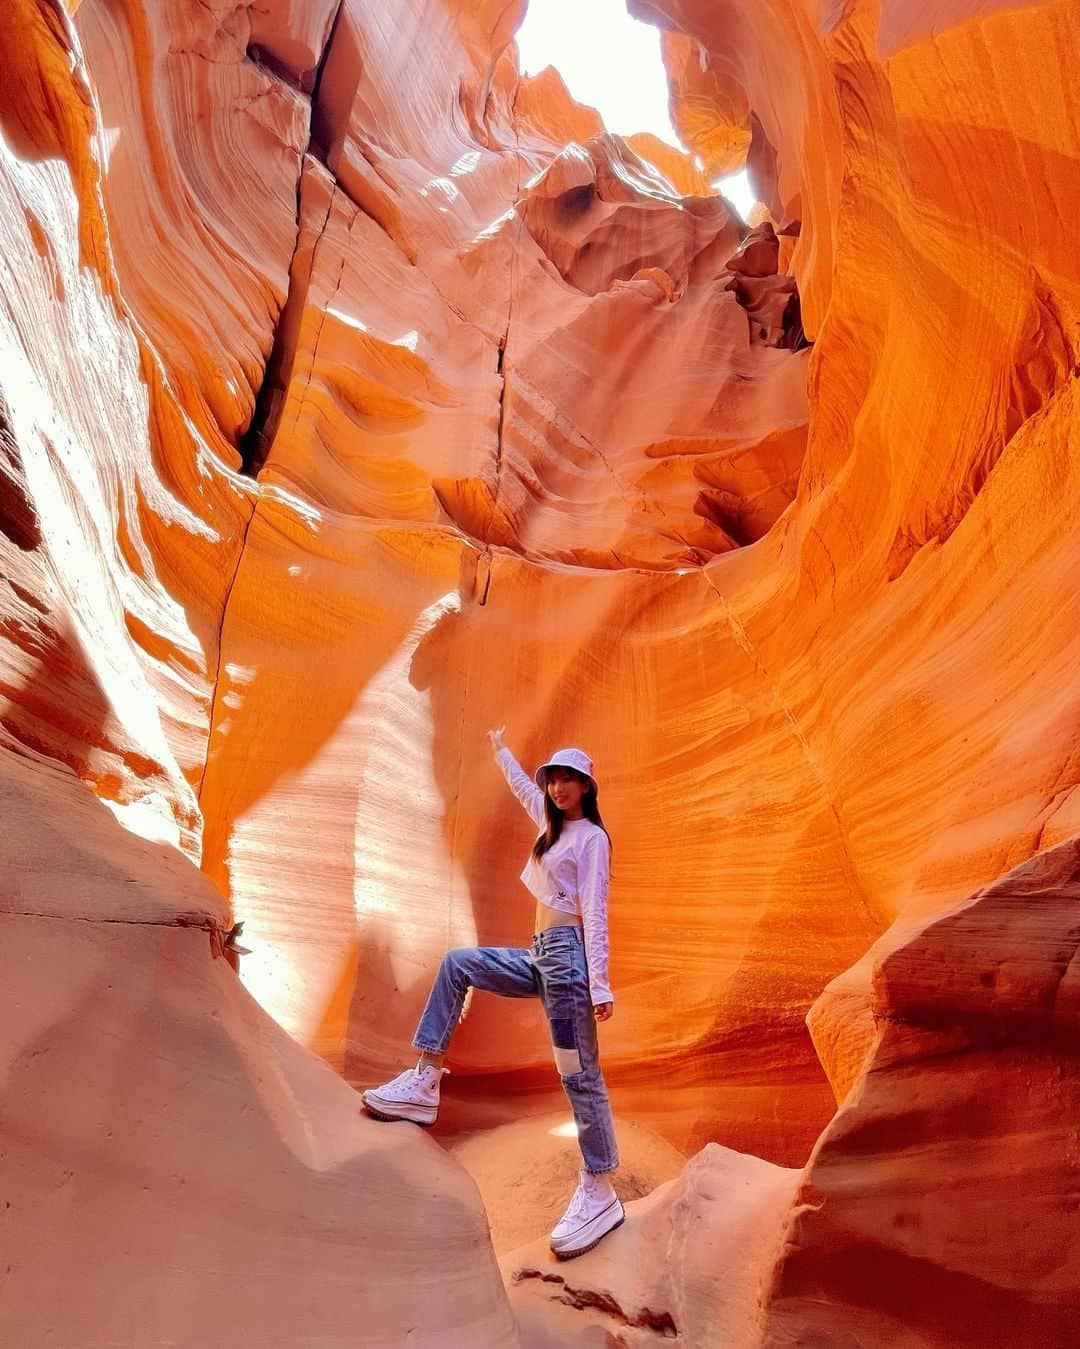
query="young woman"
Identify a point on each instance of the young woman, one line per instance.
(568, 872)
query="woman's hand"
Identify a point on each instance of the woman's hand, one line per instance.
(603, 1010)
(496, 738)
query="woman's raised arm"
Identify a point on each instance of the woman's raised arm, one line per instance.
(523, 787)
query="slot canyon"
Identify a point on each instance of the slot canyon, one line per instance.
(360, 394)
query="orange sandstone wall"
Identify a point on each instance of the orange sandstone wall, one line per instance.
(339, 426)
(175, 1159)
(939, 1206)
(526, 391)
(122, 523)
(938, 492)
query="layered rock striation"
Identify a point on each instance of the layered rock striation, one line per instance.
(359, 395)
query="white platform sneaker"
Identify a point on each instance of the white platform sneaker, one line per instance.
(594, 1211)
(412, 1095)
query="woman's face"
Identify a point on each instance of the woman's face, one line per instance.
(566, 789)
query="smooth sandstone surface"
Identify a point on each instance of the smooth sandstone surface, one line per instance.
(525, 1170)
(690, 1263)
(177, 1169)
(939, 1206)
(357, 396)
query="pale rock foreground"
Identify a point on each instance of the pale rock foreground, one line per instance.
(526, 1170)
(691, 1263)
(176, 1169)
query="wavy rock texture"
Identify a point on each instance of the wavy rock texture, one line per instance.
(124, 525)
(939, 1206)
(522, 1200)
(177, 1169)
(359, 396)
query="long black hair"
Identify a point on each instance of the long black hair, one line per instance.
(548, 837)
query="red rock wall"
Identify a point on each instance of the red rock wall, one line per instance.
(939, 1207)
(124, 524)
(339, 426)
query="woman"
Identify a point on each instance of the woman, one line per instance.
(568, 870)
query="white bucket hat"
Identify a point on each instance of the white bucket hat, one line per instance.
(566, 758)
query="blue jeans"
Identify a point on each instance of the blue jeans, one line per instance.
(554, 970)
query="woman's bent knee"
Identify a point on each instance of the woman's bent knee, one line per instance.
(458, 966)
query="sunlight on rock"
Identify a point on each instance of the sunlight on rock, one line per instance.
(361, 394)
(736, 188)
(609, 60)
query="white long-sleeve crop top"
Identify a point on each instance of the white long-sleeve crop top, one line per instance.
(572, 875)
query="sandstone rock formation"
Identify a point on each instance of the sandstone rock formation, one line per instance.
(357, 395)
(938, 1207)
(525, 1170)
(176, 1168)
(688, 1265)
